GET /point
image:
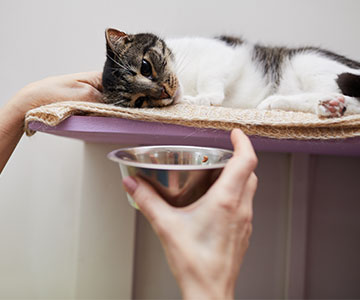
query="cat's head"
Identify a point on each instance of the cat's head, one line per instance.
(139, 71)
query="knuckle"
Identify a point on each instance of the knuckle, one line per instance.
(246, 216)
(226, 205)
(229, 203)
(252, 161)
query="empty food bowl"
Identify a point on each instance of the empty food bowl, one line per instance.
(180, 174)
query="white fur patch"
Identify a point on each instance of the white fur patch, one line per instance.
(213, 73)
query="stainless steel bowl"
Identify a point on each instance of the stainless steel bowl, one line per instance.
(180, 174)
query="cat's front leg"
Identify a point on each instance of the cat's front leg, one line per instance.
(204, 99)
(324, 105)
(301, 102)
(210, 91)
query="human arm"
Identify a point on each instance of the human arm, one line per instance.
(73, 87)
(206, 241)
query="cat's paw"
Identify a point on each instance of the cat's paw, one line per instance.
(332, 106)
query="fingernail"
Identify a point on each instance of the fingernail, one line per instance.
(130, 184)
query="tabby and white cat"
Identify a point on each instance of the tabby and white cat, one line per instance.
(143, 70)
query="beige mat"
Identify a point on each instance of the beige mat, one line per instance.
(274, 124)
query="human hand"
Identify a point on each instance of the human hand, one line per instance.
(206, 241)
(85, 86)
(73, 87)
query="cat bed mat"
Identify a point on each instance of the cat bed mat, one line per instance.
(273, 124)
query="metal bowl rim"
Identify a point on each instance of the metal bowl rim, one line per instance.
(112, 156)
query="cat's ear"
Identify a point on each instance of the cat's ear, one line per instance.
(114, 37)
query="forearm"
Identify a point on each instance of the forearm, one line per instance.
(206, 292)
(11, 130)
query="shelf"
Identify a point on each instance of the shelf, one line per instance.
(123, 131)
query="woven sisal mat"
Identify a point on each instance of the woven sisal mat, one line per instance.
(274, 124)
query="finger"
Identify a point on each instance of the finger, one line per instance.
(91, 86)
(246, 204)
(244, 160)
(93, 95)
(240, 142)
(92, 78)
(150, 203)
(240, 166)
(83, 92)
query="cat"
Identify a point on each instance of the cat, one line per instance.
(143, 70)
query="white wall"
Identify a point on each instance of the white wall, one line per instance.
(39, 188)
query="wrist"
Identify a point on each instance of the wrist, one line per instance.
(15, 109)
(197, 280)
(11, 130)
(204, 290)
(23, 99)
(13, 114)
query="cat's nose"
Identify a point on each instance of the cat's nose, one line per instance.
(164, 94)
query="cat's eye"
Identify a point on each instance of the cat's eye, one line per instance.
(146, 69)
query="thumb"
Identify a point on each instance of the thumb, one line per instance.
(150, 203)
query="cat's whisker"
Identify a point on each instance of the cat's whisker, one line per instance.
(119, 102)
(181, 65)
(118, 64)
(178, 62)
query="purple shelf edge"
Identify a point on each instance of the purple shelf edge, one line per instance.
(130, 132)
